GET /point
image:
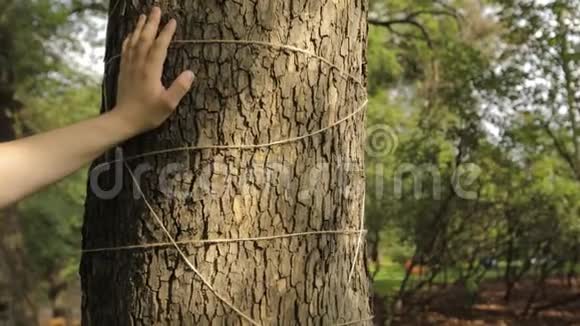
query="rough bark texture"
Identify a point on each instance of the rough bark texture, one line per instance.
(244, 94)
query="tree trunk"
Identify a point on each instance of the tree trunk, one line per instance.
(243, 94)
(15, 271)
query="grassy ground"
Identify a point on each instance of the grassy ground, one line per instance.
(389, 279)
(391, 275)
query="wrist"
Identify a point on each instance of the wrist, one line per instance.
(122, 124)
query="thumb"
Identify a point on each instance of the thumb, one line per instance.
(179, 88)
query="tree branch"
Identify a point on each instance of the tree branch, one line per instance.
(561, 149)
(411, 19)
(408, 21)
(433, 12)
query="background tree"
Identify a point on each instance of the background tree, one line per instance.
(502, 107)
(35, 35)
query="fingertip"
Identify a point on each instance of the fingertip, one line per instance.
(171, 25)
(126, 41)
(156, 11)
(140, 22)
(124, 45)
(180, 87)
(153, 22)
(189, 77)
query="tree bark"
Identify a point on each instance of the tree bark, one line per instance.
(243, 94)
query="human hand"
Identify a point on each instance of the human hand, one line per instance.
(143, 102)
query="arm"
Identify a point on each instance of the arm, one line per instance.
(32, 163)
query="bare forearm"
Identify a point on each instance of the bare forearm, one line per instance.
(29, 164)
(32, 163)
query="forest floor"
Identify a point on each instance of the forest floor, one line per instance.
(451, 307)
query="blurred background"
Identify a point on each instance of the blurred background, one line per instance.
(473, 159)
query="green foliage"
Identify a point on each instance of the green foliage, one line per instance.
(36, 36)
(52, 222)
(384, 65)
(52, 219)
(512, 111)
(38, 40)
(61, 104)
(26, 28)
